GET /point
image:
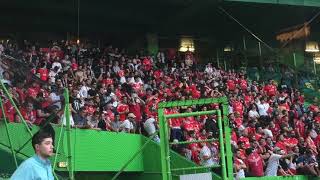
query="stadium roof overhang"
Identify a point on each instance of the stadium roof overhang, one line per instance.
(314, 3)
(165, 17)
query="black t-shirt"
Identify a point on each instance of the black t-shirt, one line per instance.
(92, 92)
(75, 103)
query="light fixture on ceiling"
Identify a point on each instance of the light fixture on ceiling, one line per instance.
(186, 44)
(312, 46)
(228, 49)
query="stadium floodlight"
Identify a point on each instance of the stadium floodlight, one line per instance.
(228, 49)
(312, 46)
(186, 44)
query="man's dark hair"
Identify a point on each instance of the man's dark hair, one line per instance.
(38, 137)
(249, 151)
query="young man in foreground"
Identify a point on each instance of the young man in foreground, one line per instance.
(37, 167)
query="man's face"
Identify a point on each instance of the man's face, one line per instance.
(45, 148)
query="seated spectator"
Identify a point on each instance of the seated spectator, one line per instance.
(128, 124)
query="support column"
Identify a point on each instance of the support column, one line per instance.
(164, 144)
(152, 43)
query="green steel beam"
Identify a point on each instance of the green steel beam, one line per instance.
(164, 146)
(197, 113)
(58, 148)
(15, 107)
(192, 102)
(68, 130)
(221, 143)
(9, 137)
(313, 3)
(134, 156)
(196, 141)
(227, 136)
(196, 168)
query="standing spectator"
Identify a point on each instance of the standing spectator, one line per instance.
(127, 125)
(273, 162)
(150, 125)
(254, 163)
(205, 155)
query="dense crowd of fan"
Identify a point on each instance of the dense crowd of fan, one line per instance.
(273, 133)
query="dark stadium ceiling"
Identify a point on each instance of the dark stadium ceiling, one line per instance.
(167, 17)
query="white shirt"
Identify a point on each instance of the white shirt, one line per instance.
(209, 70)
(240, 173)
(263, 108)
(273, 164)
(253, 114)
(205, 151)
(149, 126)
(52, 76)
(84, 91)
(1, 49)
(56, 64)
(268, 132)
(55, 97)
(126, 125)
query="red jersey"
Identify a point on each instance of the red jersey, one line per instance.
(275, 130)
(33, 92)
(109, 114)
(237, 107)
(313, 108)
(74, 66)
(107, 81)
(147, 64)
(44, 74)
(29, 116)
(9, 111)
(255, 164)
(238, 121)
(243, 84)
(136, 110)
(188, 126)
(231, 85)
(247, 100)
(245, 140)
(270, 90)
(121, 73)
(121, 109)
(300, 128)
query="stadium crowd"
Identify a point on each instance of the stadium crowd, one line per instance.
(273, 133)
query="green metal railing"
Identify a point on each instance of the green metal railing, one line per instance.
(68, 131)
(9, 137)
(224, 130)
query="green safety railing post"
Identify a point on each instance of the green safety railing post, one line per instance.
(227, 136)
(196, 168)
(197, 113)
(58, 148)
(135, 155)
(15, 107)
(68, 130)
(164, 146)
(9, 137)
(221, 144)
(224, 131)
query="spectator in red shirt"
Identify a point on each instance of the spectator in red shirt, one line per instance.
(254, 163)
(123, 108)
